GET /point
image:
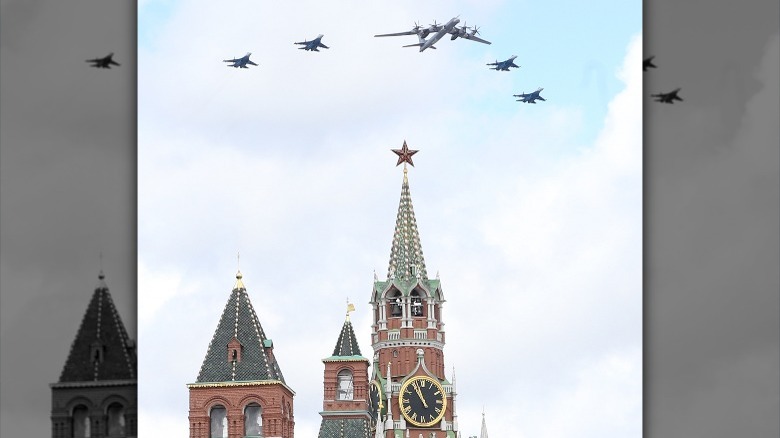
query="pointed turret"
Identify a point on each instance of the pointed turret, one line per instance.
(347, 344)
(407, 323)
(345, 392)
(483, 432)
(240, 371)
(239, 349)
(406, 257)
(97, 389)
(102, 350)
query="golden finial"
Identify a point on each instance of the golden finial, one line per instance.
(350, 308)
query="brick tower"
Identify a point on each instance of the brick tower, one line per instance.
(345, 399)
(408, 338)
(240, 391)
(96, 395)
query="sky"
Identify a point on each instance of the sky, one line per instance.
(530, 214)
(67, 166)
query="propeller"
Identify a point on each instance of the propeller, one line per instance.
(416, 27)
(475, 30)
(435, 24)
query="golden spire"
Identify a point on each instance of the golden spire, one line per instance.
(239, 282)
(350, 308)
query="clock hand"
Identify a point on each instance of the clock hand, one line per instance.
(419, 394)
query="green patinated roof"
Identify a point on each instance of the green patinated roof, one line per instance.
(406, 287)
(239, 321)
(344, 428)
(347, 343)
(406, 257)
(345, 359)
(102, 350)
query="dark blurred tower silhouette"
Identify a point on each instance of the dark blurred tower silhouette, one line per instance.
(96, 395)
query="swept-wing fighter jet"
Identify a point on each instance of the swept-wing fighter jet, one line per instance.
(240, 62)
(105, 62)
(648, 63)
(314, 44)
(669, 97)
(530, 97)
(504, 65)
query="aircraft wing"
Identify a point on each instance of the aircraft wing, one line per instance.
(469, 36)
(323, 46)
(250, 62)
(113, 62)
(230, 60)
(410, 32)
(96, 60)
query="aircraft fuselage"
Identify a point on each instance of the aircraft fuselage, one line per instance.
(438, 35)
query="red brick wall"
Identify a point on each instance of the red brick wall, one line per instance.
(275, 400)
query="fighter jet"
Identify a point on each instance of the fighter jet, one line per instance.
(437, 32)
(240, 62)
(504, 65)
(314, 44)
(648, 63)
(105, 62)
(530, 97)
(669, 97)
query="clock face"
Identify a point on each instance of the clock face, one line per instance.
(422, 401)
(375, 399)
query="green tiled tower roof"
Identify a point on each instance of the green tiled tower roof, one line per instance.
(347, 344)
(344, 428)
(102, 350)
(406, 257)
(239, 321)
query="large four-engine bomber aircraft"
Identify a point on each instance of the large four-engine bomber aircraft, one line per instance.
(438, 31)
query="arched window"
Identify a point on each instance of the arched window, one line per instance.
(116, 420)
(417, 306)
(395, 304)
(219, 426)
(81, 422)
(344, 389)
(253, 420)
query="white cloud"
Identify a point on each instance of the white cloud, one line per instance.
(292, 169)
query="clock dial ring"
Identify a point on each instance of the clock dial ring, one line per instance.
(375, 400)
(422, 401)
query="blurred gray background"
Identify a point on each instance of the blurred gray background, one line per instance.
(67, 192)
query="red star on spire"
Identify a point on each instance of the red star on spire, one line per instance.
(404, 154)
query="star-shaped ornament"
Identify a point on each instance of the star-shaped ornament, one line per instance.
(404, 154)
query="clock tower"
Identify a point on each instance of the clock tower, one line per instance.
(408, 337)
